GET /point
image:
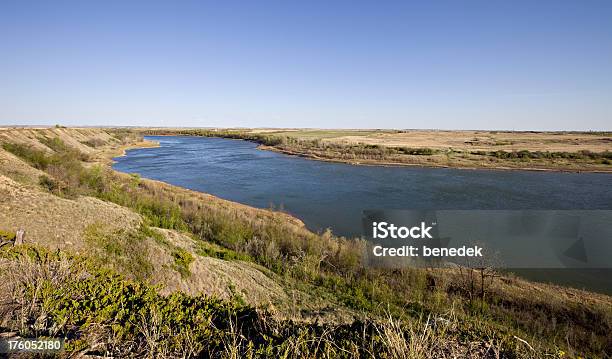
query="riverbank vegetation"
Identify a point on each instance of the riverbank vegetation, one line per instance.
(99, 312)
(586, 151)
(394, 313)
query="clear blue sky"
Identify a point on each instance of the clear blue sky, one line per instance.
(380, 64)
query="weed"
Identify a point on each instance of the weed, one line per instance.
(102, 313)
(125, 251)
(182, 260)
(7, 236)
(325, 260)
(37, 158)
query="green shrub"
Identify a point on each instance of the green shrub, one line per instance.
(123, 250)
(7, 236)
(58, 146)
(524, 154)
(94, 142)
(124, 135)
(182, 260)
(48, 183)
(101, 313)
(207, 249)
(55, 144)
(38, 159)
(417, 151)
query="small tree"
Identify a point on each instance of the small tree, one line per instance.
(478, 274)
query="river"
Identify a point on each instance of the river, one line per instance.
(333, 195)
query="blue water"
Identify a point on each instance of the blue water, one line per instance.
(332, 195)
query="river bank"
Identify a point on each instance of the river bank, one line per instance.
(429, 164)
(238, 171)
(188, 242)
(540, 151)
(327, 195)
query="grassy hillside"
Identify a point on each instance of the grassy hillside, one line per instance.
(119, 264)
(564, 151)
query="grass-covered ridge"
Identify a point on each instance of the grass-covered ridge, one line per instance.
(99, 312)
(550, 319)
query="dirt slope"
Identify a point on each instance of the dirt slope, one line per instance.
(57, 222)
(61, 223)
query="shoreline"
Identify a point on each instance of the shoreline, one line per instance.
(375, 163)
(121, 151)
(108, 159)
(378, 163)
(295, 220)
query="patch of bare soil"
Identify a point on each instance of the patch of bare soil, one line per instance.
(213, 276)
(83, 139)
(56, 222)
(15, 168)
(59, 223)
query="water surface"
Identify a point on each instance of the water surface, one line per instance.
(332, 195)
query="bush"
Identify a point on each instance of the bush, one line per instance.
(38, 159)
(58, 146)
(418, 151)
(48, 183)
(101, 313)
(7, 236)
(125, 251)
(94, 142)
(524, 154)
(182, 260)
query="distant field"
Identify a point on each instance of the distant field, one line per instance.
(121, 252)
(463, 140)
(313, 134)
(525, 150)
(563, 151)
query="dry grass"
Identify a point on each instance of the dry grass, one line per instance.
(53, 221)
(50, 221)
(23, 281)
(305, 274)
(28, 308)
(449, 148)
(486, 140)
(213, 276)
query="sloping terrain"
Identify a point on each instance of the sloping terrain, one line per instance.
(61, 223)
(92, 233)
(54, 222)
(65, 224)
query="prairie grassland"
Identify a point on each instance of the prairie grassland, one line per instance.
(289, 292)
(321, 134)
(101, 313)
(564, 151)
